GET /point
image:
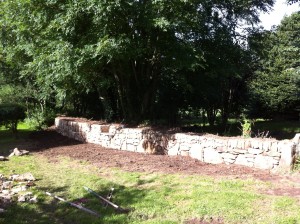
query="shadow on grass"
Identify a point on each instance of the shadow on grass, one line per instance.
(9, 140)
(33, 140)
(50, 210)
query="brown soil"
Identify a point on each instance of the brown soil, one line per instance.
(51, 144)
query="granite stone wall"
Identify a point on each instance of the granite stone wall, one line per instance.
(270, 154)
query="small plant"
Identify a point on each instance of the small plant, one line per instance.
(246, 127)
(262, 134)
(296, 166)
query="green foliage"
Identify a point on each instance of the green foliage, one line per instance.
(10, 115)
(39, 120)
(246, 127)
(120, 54)
(275, 89)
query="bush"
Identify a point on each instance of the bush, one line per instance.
(39, 120)
(10, 115)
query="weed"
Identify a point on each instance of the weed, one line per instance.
(246, 127)
(296, 166)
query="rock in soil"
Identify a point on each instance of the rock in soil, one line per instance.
(17, 152)
(2, 158)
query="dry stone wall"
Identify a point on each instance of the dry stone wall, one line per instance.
(270, 154)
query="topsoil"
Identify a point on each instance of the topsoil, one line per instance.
(51, 145)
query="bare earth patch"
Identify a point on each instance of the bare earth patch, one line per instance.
(51, 144)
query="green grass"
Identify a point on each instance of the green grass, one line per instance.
(153, 197)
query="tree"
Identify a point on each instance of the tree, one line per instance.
(10, 115)
(275, 88)
(115, 54)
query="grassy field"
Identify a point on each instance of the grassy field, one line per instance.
(153, 197)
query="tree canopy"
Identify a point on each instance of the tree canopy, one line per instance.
(276, 84)
(134, 59)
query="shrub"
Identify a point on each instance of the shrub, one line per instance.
(39, 120)
(10, 115)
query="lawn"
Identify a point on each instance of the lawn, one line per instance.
(153, 197)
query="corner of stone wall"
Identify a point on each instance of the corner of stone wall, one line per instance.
(287, 149)
(296, 140)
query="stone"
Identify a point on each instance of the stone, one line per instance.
(25, 197)
(21, 198)
(228, 156)
(2, 158)
(287, 156)
(274, 147)
(23, 177)
(232, 143)
(247, 144)
(229, 161)
(5, 192)
(274, 154)
(184, 153)
(266, 145)
(16, 190)
(5, 197)
(242, 160)
(241, 144)
(173, 151)
(17, 152)
(131, 147)
(256, 144)
(255, 151)
(140, 147)
(211, 156)
(184, 147)
(33, 200)
(196, 152)
(7, 185)
(123, 146)
(263, 162)
(296, 139)
(239, 151)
